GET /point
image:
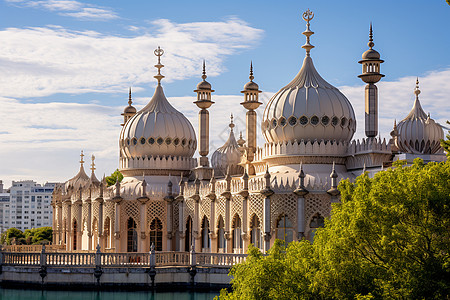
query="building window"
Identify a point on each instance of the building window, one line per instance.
(285, 232)
(74, 232)
(237, 237)
(156, 234)
(221, 235)
(255, 233)
(188, 234)
(206, 242)
(131, 236)
(317, 221)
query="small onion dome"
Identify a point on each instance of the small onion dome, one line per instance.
(79, 180)
(308, 108)
(158, 129)
(371, 54)
(418, 133)
(130, 109)
(204, 85)
(251, 86)
(227, 156)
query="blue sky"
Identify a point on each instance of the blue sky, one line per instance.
(66, 65)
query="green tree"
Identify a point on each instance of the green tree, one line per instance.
(11, 234)
(112, 179)
(388, 238)
(446, 143)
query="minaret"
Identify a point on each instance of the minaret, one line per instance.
(371, 74)
(251, 93)
(203, 102)
(129, 111)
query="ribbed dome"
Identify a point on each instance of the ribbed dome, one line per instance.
(79, 180)
(158, 129)
(251, 86)
(371, 54)
(308, 108)
(418, 133)
(129, 110)
(204, 85)
(227, 156)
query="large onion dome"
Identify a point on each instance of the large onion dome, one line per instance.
(228, 156)
(158, 130)
(80, 180)
(418, 133)
(308, 108)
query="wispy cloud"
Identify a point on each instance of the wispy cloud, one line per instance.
(53, 59)
(70, 8)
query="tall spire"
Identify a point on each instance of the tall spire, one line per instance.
(251, 77)
(81, 160)
(129, 97)
(308, 16)
(231, 125)
(204, 71)
(370, 43)
(93, 163)
(416, 90)
(159, 52)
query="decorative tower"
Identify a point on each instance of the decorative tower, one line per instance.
(371, 74)
(129, 111)
(251, 93)
(203, 102)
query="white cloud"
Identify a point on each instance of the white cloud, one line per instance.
(70, 8)
(52, 59)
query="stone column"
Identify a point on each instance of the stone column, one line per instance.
(267, 192)
(227, 195)
(245, 228)
(301, 192)
(89, 224)
(212, 221)
(68, 232)
(59, 220)
(117, 221)
(80, 224)
(196, 220)
(169, 217)
(181, 225)
(142, 245)
(101, 240)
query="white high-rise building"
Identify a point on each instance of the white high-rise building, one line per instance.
(28, 206)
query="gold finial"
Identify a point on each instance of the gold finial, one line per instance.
(416, 90)
(159, 52)
(251, 77)
(81, 155)
(231, 122)
(308, 16)
(129, 97)
(93, 163)
(370, 43)
(204, 71)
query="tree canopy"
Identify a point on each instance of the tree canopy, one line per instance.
(112, 179)
(446, 143)
(389, 238)
(41, 235)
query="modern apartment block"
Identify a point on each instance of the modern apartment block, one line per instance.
(28, 206)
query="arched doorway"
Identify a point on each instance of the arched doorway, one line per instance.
(285, 231)
(131, 236)
(237, 237)
(255, 233)
(206, 242)
(220, 235)
(74, 235)
(188, 234)
(156, 234)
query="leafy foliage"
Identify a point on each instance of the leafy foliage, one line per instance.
(112, 179)
(446, 143)
(388, 238)
(42, 235)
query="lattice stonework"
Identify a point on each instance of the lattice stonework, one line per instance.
(316, 203)
(220, 208)
(236, 206)
(189, 209)
(95, 210)
(109, 211)
(205, 208)
(283, 204)
(129, 208)
(256, 206)
(156, 209)
(84, 213)
(176, 216)
(75, 209)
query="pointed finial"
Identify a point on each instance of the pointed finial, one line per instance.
(159, 52)
(370, 43)
(82, 155)
(251, 77)
(308, 16)
(416, 90)
(333, 171)
(231, 122)
(93, 163)
(129, 97)
(204, 71)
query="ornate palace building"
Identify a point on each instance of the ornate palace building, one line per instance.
(247, 193)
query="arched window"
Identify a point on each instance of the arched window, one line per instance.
(220, 235)
(74, 233)
(255, 233)
(107, 232)
(206, 242)
(317, 221)
(131, 236)
(237, 237)
(188, 234)
(156, 234)
(285, 232)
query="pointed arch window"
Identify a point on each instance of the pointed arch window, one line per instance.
(107, 232)
(317, 221)
(220, 235)
(255, 232)
(131, 236)
(237, 237)
(188, 234)
(285, 231)
(74, 233)
(206, 242)
(156, 234)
